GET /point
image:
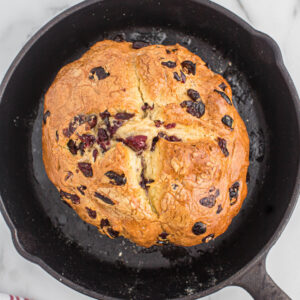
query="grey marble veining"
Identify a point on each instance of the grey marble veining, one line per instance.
(20, 19)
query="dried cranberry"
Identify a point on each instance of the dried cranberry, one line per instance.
(104, 198)
(46, 115)
(87, 139)
(222, 86)
(103, 144)
(116, 178)
(196, 109)
(176, 76)
(123, 116)
(170, 138)
(66, 132)
(81, 148)
(199, 228)
(234, 192)
(139, 44)
(154, 141)
(163, 235)
(225, 97)
(77, 120)
(174, 186)
(92, 121)
(104, 115)
(209, 201)
(208, 238)
(169, 64)
(99, 72)
(158, 123)
(80, 119)
(69, 174)
(95, 154)
(223, 145)
(189, 66)
(63, 194)
(72, 147)
(81, 189)
(73, 197)
(118, 123)
(219, 208)
(112, 233)
(102, 135)
(103, 147)
(56, 136)
(228, 121)
(146, 106)
(86, 169)
(136, 143)
(193, 94)
(183, 77)
(113, 129)
(144, 182)
(92, 213)
(119, 38)
(104, 223)
(72, 127)
(170, 125)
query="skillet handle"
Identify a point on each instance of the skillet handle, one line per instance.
(259, 284)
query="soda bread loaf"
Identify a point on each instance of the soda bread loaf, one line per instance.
(144, 142)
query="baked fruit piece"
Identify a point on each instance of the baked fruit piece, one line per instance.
(145, 143)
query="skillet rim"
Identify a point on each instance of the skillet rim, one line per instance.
(277, 64)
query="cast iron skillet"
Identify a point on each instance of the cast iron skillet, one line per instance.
(50, 234)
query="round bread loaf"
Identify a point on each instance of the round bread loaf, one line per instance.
(144, 142)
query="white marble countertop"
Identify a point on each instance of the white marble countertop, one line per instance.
(20, 19)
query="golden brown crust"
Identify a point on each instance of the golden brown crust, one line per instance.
(197, 185)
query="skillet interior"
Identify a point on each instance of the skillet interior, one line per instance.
(73, 250)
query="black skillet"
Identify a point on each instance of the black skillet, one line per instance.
(50, 234)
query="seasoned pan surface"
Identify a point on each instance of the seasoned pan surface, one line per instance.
(50, 233)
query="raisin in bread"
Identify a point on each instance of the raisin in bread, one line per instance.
(144, 142)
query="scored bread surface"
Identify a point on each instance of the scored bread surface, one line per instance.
(133, 154)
